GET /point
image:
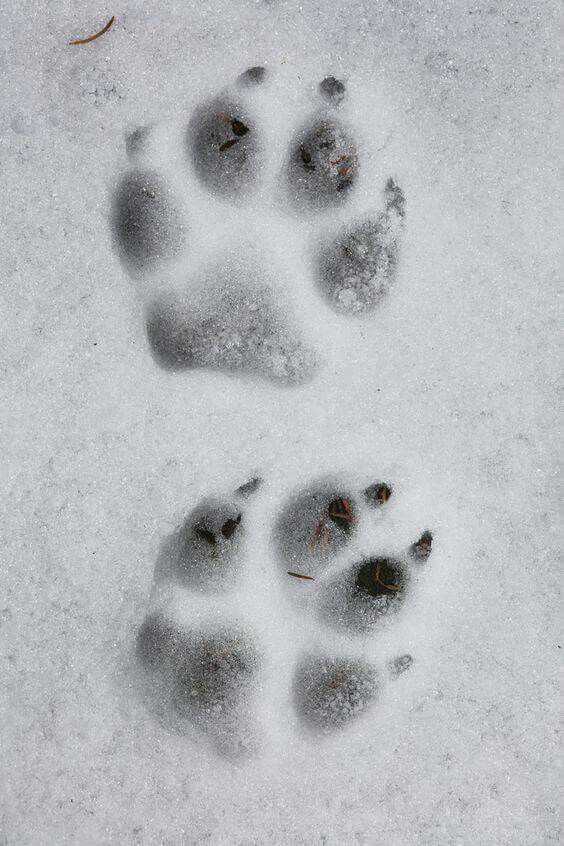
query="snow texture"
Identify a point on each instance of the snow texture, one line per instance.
(165, 681)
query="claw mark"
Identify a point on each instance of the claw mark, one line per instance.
(301, 576)
(422, 548)
(399, 665)
(96, 35)
(248, 488)
(395, 199)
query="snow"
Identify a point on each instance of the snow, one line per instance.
(448, 391)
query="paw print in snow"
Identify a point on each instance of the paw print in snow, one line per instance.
(234, 313)
(203, 673)
(205, 665)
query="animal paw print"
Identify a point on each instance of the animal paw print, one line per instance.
(230, 309)
(352, 594)
(201, 665)
(203, 661)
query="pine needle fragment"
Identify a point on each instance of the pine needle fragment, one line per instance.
(239, 127)
(301, 576)
(96, 35)
(227, 144)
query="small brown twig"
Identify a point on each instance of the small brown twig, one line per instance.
(342, 515)
(321, 535)
(227, 144)
(341, 509)
(96, 35)
(343, 158)
(301, 576)
(379, 581)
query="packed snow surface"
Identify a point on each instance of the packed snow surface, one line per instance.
(311, 244)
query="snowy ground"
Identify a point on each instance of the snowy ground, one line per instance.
(448, 390)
